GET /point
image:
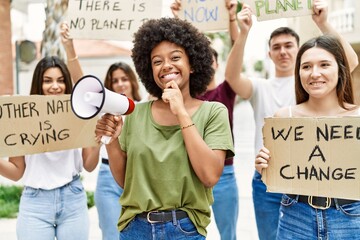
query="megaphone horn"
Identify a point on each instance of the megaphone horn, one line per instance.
(89, 97)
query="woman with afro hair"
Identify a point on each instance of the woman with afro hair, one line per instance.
(170, 152)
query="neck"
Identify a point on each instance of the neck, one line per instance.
(322, 107)
(212, 85)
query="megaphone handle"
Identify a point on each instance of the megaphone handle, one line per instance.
(105, 139)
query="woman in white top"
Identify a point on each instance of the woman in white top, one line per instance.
(323, 88)
(53, 203)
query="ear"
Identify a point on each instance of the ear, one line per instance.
(269, 54)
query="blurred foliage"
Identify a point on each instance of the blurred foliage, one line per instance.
(259, 66)
(9, 201)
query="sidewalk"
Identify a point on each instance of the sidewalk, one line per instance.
(244, 167)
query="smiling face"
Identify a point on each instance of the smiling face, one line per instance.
(53, 82)
(319, 72)
(170, 63)
(283, 50)
(121, 83)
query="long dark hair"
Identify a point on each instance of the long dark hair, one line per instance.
(332, 45)
(131, 75)
(43, 65)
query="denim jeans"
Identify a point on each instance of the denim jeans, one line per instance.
(60, 213)
(226, 204)
(300, 221)
(141, 229)
(107, 194)
(266, 207)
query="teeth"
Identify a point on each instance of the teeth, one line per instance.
(316, 83)
(170, 76)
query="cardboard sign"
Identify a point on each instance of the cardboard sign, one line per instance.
(110, 19)
(36, 124)
(313, 156)
(273, 9)
(206, 15)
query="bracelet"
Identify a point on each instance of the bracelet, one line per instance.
(72, 59)
(233, 20)
(190, 125)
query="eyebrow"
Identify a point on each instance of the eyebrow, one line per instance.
(175, 51)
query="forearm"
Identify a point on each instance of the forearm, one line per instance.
(207, 164)
(117, 162)
(12, 169)
(234, 65)
(90, 158)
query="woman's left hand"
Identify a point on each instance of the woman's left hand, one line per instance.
(173, 96)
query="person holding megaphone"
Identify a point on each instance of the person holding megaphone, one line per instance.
(120, 78)
(170, 151)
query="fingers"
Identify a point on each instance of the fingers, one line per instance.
(107, 125)
(261, 160)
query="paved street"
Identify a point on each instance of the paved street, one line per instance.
(244, 165)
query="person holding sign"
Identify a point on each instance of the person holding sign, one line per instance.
(323, 88)
(226, 195)
(53, 204)
(266, 96)
(167, 173)
(119, 78)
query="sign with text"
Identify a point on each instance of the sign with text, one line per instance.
(273, 9)
(206, 15)
(37, 123)
(313, 156)
(110, 19)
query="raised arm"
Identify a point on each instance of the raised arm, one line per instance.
(231, 5)
(320, 18)
(72, 58)
(238, 82)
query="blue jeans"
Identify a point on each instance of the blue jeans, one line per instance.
(267, 207)
(60, 213)
(226, 204)
(107, 194)
(300, 221)
(141, 229)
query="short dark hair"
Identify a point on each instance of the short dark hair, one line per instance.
(41, 67)
(129, 73)
(183, 34)
(332, 45)
(284, 30)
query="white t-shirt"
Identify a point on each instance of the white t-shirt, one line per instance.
(269, 95)
(51, 170)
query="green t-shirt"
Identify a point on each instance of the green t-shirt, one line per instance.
(159, 175)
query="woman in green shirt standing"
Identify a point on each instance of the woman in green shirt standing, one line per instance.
(171, 151)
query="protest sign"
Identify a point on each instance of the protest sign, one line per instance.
(206, 15)
(313, 156)
(273, 9)
(109, 19)
(37, 123)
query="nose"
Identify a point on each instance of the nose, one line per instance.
(55, 85)
(315, 72)
(167, 65)
(282, 50)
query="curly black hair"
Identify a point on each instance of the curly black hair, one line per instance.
(183, 34)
